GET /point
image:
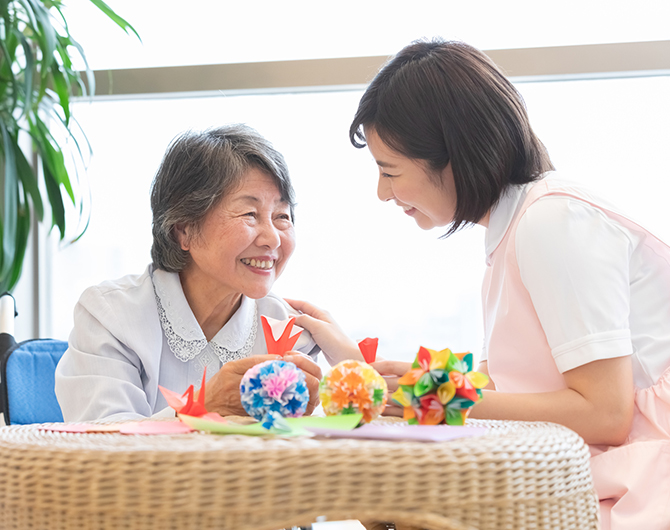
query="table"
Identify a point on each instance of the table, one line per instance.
(518, 476)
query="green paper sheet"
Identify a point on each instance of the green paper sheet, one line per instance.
(299, 426)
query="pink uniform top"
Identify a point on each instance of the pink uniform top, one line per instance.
(632, 480)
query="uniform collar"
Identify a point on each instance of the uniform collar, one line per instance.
(185, 337)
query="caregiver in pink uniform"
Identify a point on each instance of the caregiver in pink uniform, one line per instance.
(576, 295)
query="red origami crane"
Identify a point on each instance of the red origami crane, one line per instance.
(368, 348)
(187, 405)
(280, 335)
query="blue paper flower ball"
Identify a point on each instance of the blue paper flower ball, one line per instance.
(274, 389)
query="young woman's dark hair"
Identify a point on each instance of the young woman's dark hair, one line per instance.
(444, 102)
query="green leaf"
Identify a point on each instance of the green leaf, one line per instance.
(55, 199)
(121, 22)
(22, 233)
(62, 89)
(29, 181)
(52, 156)
(27, 75)
(10, 207)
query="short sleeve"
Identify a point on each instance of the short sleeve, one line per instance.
(574, 262)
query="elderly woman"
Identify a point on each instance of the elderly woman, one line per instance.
(222, 205)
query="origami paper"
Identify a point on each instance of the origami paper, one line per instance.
(298, 426)
(80, 427)
(415, 433)
(186, 404)
(273, 390)
(368, 348)
(441, 387)
(155, 427)
(280, 335)
(353, 387)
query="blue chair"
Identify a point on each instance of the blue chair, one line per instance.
(27, 378)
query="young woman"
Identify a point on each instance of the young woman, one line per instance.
(576, 295)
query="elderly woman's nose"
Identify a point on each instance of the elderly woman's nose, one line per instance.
(384, 190)
(268, 235)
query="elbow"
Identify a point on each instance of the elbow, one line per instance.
(615, 427)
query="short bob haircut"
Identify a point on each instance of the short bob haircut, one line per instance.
(441, 102)
(197, 171)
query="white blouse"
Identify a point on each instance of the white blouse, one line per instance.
(598, 291)
(135, 333)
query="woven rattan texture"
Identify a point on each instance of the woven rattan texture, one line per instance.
(518, 476)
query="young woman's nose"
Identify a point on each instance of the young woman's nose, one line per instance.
(384, 190)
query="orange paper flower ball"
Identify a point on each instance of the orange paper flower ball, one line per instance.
(353, 387)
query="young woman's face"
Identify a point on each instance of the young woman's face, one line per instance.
(407, 182)
(244, 242)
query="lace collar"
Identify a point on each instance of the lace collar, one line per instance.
(184, 336)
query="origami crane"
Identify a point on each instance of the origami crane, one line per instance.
(368, 348)
(280, 335)
(188, 405)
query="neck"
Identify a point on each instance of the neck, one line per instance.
(212, 306)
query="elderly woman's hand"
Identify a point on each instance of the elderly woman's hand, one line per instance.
(222, 393)
(334, 344)
(312, 376)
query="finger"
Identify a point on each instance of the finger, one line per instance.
(391, 383)
(312, 384)
(306, 364)
(240, 366)
(308, 309)
(392, 410)
(399, 368)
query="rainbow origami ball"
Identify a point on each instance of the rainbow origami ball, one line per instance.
(353, 387)
(441, 387)
(272, 390)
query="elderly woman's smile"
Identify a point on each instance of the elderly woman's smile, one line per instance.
(243, 243)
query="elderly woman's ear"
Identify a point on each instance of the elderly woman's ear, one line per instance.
(183, 234)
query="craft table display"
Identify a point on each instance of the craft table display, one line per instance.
(515, 476)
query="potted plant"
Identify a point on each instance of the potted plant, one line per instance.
(37, 82)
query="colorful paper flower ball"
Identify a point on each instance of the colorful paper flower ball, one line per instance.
(441, 387)
(353, 387)
(273, 390)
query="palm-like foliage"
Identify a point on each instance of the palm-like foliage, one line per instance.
(37, 81)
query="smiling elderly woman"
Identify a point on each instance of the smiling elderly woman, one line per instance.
(222, 207)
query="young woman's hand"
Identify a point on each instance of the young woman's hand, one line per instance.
(334, 344)
(222, 393)
(391, 371)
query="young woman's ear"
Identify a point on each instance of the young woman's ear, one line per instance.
(182, 233)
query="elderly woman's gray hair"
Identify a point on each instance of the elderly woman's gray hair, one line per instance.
(197, 171)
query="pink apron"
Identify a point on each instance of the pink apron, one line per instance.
(632, 480)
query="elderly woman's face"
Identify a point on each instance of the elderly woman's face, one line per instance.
(244, 242)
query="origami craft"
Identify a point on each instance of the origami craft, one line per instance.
(186, 404)
(280, 335)
(368, 348)
(352, 387)
(441, 387)
(272, 390)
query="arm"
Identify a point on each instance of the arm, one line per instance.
(336, 346)
(99, 377)
(598, 403)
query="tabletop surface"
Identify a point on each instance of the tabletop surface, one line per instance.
(518, 475)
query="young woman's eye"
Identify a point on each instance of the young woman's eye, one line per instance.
(387, 176)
